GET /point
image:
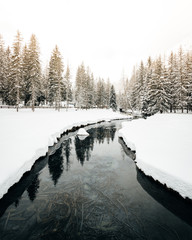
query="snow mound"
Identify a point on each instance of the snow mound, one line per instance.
(82, 132)
(82, 137)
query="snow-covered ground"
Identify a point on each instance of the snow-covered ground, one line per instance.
(26, 135)
(163, 145)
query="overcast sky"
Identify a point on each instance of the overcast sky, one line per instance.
(108, 35)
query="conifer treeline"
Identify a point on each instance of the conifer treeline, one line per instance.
(160, 85)
(23, 81)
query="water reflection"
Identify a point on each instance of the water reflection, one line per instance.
(33, 188)
(83, 148)
(168, 199)
(14, 194)
(17, 201)
(103, 133)
(101, 200)
(55, 164)
(66, 146)
(127, 150)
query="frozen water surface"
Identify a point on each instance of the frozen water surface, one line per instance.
(91, 189)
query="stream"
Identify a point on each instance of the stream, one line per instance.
(91, 189)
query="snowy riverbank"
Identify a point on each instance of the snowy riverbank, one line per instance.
(26, 135)
(163, 145)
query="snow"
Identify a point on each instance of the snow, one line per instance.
(163, 145)
(26, 135)
(82, 132)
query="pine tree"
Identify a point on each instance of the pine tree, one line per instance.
(140, 87)
(68, 86)
(182, 91)
(26, 75)
(92, 91)
(87, 89)
(45, 90)
(35, 69)
(154, 84)
(147, 84)
(165, 86)
(2, 70)
(188, 80)
(80, 86)
(165, 93)
(133, 89)
(113, 103)
(56, 83)
(107, 92)
(123, 96)
(172, 80)
(7, 83)
(16, 71)
(101, 94)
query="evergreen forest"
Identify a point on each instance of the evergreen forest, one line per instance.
(159, 85)
(24, 83)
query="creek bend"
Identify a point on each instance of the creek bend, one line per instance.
(91, 189)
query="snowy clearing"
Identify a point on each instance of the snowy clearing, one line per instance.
(163, 145)
(26, 135)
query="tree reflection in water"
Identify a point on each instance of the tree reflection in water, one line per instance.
(66, 148)
(17, 201)
(84, 147)
(33, 188)
(58, 159)
(104, 201)
(55, 164)
(103, 133)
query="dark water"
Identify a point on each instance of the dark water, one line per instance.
(91, 189)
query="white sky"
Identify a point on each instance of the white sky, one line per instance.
(108, 35)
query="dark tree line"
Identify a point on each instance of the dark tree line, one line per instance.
(23, 82)
(160, 85)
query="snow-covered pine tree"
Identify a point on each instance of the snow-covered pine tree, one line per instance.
(86, 88)
(80, 86)
(26, 75)
(35, 70)
(45, 91)
(7, 83)
(101, 94)
(188, 80)
(113, 103)
(68, 86)
(16, 71)
(172, 81)
(140, 87)
(2, 70)
(133, 89)
(81, 95)
(165, 93)
(160, 96)
(155, 87)
(107, 92)
(90, 88)
(182, 88)
(92, 91)
(123, 96)
(56, 83)
(147, 84)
